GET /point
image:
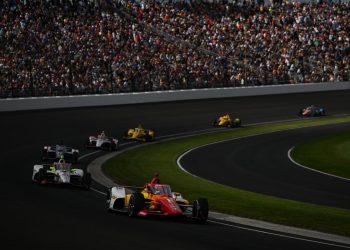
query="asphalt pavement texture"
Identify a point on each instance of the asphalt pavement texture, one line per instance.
(260, 164)
(36, 217)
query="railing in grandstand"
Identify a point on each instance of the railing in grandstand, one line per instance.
(72, 91)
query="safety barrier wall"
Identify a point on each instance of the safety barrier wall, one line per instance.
(35, 103)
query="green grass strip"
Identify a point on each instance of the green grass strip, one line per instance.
(329, 154)
(136, 167)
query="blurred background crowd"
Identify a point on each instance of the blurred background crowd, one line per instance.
(67, 47)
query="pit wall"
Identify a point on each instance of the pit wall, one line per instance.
(56, 102)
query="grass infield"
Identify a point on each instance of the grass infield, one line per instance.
(329, 154)
(136, 167)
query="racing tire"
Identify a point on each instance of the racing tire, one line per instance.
(237, 123)
(136, 204)
(41, 175)
(75, 158)
(87, 180)
(103, 146)
(125, 135)
(148, 138)
(108, 200)
(200, 210)
(87, 143)
(300, 113)
(215, 123)
(113, 147)
(44, 155)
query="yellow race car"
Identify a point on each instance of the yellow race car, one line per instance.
(227, 121)
(139, 134)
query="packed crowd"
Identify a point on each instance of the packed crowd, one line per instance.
(67, 47)
(294, 42)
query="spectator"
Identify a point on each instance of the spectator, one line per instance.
(84, 47)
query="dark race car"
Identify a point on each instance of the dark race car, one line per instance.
(312, 111)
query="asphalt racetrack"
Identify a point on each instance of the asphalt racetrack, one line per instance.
(35, 217)
(261, 164)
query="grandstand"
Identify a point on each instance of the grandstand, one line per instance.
(67, 47)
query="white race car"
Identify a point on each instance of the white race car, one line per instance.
(103, 142)
(54, 152)
(61, 173)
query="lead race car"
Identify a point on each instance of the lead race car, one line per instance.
(55, 152)
(102, 141)
(139, 134)
(156, 200)
(312, 111)
(227, 121)
(61, 173)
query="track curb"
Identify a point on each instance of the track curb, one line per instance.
(95, 168)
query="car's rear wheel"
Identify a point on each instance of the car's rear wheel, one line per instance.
(87, 143)
(125, 135)
(136, 204)
(87, 180)
(108, 201)
(300, 113)
(75, 157)
(200, 210)
(237, 122)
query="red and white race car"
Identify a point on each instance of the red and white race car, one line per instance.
(102, 141)
(156, 200)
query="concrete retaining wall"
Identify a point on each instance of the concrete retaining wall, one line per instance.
(36, 103)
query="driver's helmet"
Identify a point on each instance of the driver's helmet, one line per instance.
(102, 135)
(61, 160)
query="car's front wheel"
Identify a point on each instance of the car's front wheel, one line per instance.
(136, 204)
(41, 175)
(200, 210)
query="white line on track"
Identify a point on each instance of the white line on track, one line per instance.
(223, 223)
(98, 191)
(279, 235)
(261, 231)
(252, 135)
(86, 155)
(311, 169)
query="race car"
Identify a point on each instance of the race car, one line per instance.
(156, 200)
(312, 111)
(227, 121)
(54, 153)
(139, 134)
(61, 173)
(102, 141)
